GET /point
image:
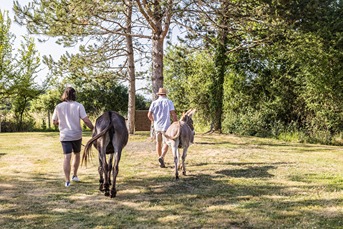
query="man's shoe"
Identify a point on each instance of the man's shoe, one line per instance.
(67, 184)
(162, 165)
(75, 178)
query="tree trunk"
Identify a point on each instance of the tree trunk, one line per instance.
(219, 75)
(131, 70)
(49, 122)
(218, 86)
(158, 15)
(157, 65)
(132, 90)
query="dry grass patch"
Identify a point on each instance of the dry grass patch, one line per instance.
(231, 182)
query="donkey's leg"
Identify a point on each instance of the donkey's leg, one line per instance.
(115, 173)
(109, 169)
(176, 158)
(102, 147)
(105, 167)
(184, 155)
(101, 175)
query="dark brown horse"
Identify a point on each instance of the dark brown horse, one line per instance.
(110, 136)
(180, 134)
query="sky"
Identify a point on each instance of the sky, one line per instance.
(46, 48)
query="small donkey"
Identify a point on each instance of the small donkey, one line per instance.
(180, 134)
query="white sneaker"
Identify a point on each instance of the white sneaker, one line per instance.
(67, 184)
(75, 178)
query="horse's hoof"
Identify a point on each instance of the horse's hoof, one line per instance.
(177, 177)
(107, 193)
(184, 173)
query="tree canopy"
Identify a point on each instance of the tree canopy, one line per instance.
(257, 67)
(281, 69)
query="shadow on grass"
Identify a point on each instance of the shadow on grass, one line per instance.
(197, 194)
(237, 195)
(196, 201)
(260, 143)
(215, 143)
(192, 202)
(250, 172)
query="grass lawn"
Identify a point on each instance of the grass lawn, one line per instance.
(231, 182)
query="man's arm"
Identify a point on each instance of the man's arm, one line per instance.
(173, 115)
(88, 123)
(150, 116)
(55, 122)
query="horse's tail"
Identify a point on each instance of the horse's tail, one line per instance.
(87, 151)
(177, 134)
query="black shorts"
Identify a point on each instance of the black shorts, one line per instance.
(71, 146)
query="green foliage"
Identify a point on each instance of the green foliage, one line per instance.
(266, 68)
(188, 82)
(47, 101)
(23, 85)
(289, 86)
(18, 73)
(101, 29)
(6, 64)
(101, 94)
(287, 83)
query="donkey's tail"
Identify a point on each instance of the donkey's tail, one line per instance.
(87, 150)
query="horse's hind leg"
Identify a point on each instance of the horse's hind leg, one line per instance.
(115, 173)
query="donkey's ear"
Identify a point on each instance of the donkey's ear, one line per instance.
(187, 112)
(191, 112)
(182, 116)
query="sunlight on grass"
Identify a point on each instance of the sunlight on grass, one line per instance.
(170, 218)
(231, 182)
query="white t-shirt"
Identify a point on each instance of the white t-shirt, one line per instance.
(69, 114)
(160, 109)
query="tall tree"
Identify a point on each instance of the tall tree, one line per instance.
(220, 62)
(6, 57)
(223, 27)
(105, 24)
(23, 85)
(158, 14)
(130, 67)
(293, 81)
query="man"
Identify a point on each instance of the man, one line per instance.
(67, 116)
(160, 112)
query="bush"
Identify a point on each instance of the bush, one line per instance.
(8, 126)
(251, 123)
